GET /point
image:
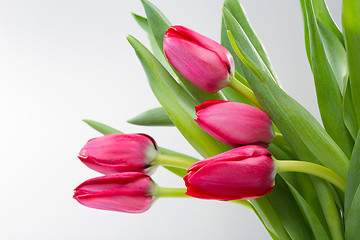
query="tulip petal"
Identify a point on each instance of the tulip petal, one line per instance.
(202, 67)
(125, 192)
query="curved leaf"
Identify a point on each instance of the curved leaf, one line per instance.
(235, 8)
(351, 29)
(353, 178)
(352, 230)
(327, 87)
(314, 222)
(152, 117)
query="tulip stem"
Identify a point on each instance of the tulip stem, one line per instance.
(279, 138)
(171, 192)
(313, 169)
(173, 161)
(244, 90)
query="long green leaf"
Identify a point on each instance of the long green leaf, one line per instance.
(328, 205)
(353, 178)
(270, 218)
(322, 13)
(349, 113)
(314, 222)
(235, 8)
(159, 24)
(102, 128)
(289, 212)
(234, 27)
(327, 89)
(306, 136)
(352, 229)
(157, 51)
(351, 29)
(152, 117)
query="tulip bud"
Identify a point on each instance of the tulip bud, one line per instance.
(116, 153)
(234, 123)
(202, 61)
(130, 192)
(242, 173)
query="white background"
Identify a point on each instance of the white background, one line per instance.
(63, 61)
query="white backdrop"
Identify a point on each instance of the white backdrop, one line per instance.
(63, 61)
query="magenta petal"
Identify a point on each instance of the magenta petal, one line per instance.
(243, 173)
(202, 61)
(235, 124)
(129, 192)
(205, 42)
(116, 153)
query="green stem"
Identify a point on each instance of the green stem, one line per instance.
(313, 169)
(173, 161)
(244, 90)
(280, 139)
(171, 192)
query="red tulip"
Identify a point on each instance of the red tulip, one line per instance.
(129, 192)
(116, 153)
(204, 62)
(234, 123)
(242, 173)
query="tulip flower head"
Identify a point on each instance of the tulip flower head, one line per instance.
(242, 173)
(202, 61)
(115, 153)
(234, 123)
(130, 192)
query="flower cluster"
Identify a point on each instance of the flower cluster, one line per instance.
(246, 172)
(235, 119)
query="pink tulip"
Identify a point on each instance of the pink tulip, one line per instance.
(129, 192)
(245, 172)
(234, 123)
(116, 153)
(204, 62)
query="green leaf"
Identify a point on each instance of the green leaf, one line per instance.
(236, 10)
(322, 13)
(270, 218)
(176, 102)
(159, 24)
(105, 129)
(351, 29)
(152, 117)
(157, 51)
(353, 178)
(305, 135)
(289, 212)
(314, 222)
(335, 53)
(327, 89)
(328, 205)
(102, 128)
(349, 113)
(352, 230)
(234, 27)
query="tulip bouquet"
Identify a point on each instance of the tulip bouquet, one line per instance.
(261, 148)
